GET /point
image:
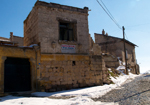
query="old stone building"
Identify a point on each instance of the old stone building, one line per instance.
(113, 51)
(58, 52)
(55, 26)
(63, 34)
(16, 39)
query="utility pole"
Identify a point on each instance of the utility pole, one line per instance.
(125, 53)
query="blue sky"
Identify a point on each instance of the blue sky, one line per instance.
(132, 14)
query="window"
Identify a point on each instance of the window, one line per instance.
(73, 63)
(67, 31)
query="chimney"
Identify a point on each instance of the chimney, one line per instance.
(11, 36)
(86, 9)
(106, 34)
(103, 32)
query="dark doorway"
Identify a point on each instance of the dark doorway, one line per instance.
(17, 75)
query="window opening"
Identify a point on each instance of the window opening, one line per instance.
(73, 63)
(66, 31)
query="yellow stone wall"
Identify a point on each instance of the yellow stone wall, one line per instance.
(18, 52)
(59, 73)
(56, 71)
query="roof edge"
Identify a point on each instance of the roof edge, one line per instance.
(117, 38)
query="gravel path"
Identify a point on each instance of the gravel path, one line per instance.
(135, 92)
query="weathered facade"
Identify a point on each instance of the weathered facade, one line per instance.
(60, 72)
(55, 25)
(61, 57)
(58, 52)
(11, 77)
(63, 34)
(16, 39)
(113, 50)
(13, 38)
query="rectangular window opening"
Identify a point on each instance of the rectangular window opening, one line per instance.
(73, 63)
(67, 31)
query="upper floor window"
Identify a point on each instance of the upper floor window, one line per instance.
(67, 31)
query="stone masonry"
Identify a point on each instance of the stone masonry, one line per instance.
(42, 25)
(70, 71)
(18, 52)
(114, 47)
(65, 60)
(62, 55)
(16, 39)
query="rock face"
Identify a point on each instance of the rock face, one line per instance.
(136, 92)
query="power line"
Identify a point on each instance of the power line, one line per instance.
(113, 19)
(108, 13)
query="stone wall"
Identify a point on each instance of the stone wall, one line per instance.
(60, 72)
(17, 39)
(56, 72)
(91, 43)
(109, 45)
(31, 28)
(17, 52)
(42, 25)
(4, 39)
(115, 47)
(111, 61)
(98, 66)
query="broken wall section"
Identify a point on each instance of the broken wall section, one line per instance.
(97, 66)
(98, 62)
